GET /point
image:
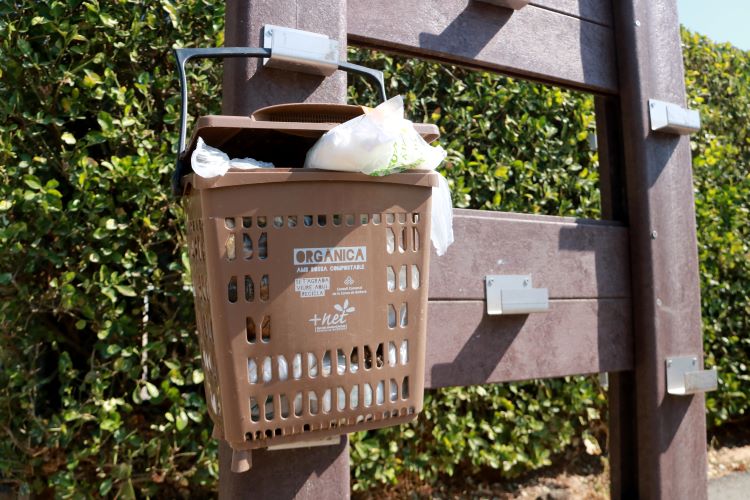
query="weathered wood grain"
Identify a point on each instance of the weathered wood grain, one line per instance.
(245, 89)
(533, 42)
(465, 346)
(300, 473)
(671, 430)
(573, 258)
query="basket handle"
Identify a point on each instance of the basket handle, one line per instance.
(185, 55)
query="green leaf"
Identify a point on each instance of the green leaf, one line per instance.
(91, 79)
(182, 420)
(68, 138)
(152, 390)
(105, 121)
(125, 290)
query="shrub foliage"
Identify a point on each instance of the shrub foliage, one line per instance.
(100, 379)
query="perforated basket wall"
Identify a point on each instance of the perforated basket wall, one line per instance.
(310, 298)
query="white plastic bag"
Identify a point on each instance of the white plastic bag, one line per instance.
(383, 142)
(211, 162)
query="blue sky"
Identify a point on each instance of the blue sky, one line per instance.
(720, 20)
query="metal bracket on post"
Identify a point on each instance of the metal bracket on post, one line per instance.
(672, 118)
(514, 295)
(508, 4)
(684, 377)
(303, 51)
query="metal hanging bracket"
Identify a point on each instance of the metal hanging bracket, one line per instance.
(684, 377)
(185, 55)
(672, 118)
(514, 295)
(303, 51)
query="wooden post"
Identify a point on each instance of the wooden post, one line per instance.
(321, 472)
(670, 431)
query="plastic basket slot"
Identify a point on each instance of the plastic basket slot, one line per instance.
(340, 362)
(263, 246)
(269, 409)
(267, 368)
(354, 397)
(312, 365)
(283, 367)
(254, 410)
(367, 395)
(230, 247)
(297, 366)
(247, 246)
(249, 289)
(327, 364)
(340, 398)
(312, 400)
(250, 330)
(265, 329)
(354, 360)
(368, 357)
(390, 240)
(326, 401)
(284, 405)
(298, 404)
(252, 371)
(392, 354)
(402, 278)
(232, 289)
(390, 277)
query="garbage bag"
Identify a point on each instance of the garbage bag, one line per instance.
(383, 142)
(212, 162)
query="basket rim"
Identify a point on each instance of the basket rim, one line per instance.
(237, 177)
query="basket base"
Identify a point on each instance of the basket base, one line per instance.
(316, 436)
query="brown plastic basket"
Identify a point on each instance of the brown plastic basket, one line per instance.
(310, 286)
(310, 297)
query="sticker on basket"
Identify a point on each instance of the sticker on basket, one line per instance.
(312, 287)
(333, 321)
(312, 260)
(349, 287)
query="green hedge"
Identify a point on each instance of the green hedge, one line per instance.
(100, 380)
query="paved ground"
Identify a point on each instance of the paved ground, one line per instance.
(735, 486)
